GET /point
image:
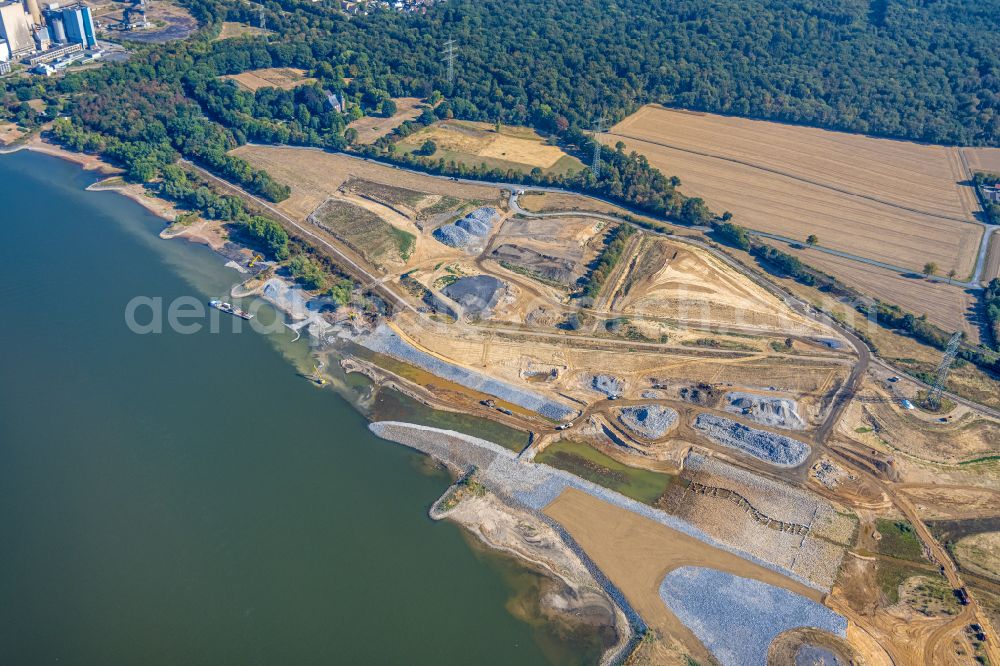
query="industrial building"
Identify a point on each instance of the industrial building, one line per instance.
(78, 23)
(39, 37)
(16, 29)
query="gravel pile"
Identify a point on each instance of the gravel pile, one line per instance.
(649, 421)
(737, 618)
(765, 409)
(767, 446)
(533, 485)
(470, 232)
(454, 236)
(384, 340)
(477, 294)
(608, 385)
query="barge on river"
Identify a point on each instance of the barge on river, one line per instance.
(231, 309)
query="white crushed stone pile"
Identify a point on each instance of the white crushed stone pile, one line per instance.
(764, 409)
(470, 232)
(767, 446)
(608, 385)
(649, 421)
(738, 618)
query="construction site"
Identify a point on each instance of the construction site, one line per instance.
(686, 425)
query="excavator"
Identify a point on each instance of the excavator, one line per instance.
(253, 261)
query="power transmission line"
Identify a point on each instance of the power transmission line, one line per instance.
(449, 57)
(595, 165)
(944, 367)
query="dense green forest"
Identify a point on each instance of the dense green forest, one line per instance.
(923, 70)
(918, 69)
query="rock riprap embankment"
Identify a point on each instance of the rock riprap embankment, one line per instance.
(533, 485)
(737, 618)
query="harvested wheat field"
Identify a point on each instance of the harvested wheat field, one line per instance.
(473, 143)
(677, 281)
(892, 201)
(983, 159)
(992, 267)
(915, 176)
(315, 175)
(636, 553)
(371, 128)
(951, 307)
(285, 78)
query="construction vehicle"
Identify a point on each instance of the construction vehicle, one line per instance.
(253, 261)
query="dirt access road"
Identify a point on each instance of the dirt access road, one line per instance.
(843, 397)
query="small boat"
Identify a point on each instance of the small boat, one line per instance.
(231, 309)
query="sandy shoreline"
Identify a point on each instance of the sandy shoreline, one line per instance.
(574, 599)
(201, 231)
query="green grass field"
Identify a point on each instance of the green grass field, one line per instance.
(899, 540)
(364, 232)
(587, 462)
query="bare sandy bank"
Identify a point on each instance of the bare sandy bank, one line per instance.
(572, 598)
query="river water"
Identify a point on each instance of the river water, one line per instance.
(187, 498)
